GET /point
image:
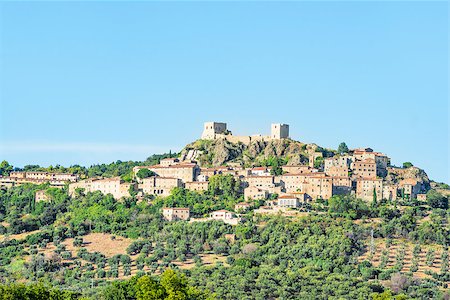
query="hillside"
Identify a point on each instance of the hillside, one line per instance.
(214, 153)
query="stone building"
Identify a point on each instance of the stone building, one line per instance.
(381, 160)
(198, 186)
(255, 193)
(366, 168)
(212, 129)
(262, 182)
(222, 215)
(389, 191)
(187, 172)
(422, 197)
(279, 131)
(337, 171)
(287, 200)
(341, 185)
(167, 162)
(365, 188)
(160, 186)
(410, 187)
(217, 130)
(260, 171)
(176, 213)
(46, 176)
(292, 182)
(319, 187)
(297, 169)
(114, 186)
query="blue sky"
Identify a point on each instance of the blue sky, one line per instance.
(84, 82)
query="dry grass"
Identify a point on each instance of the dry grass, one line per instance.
(19, 236)
(103, 243)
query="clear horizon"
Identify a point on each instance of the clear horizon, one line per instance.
(95, 82)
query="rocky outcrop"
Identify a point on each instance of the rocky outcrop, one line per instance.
(395, 175)
(213, 153)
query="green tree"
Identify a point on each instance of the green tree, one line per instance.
(5, 168)
(374, 201)
(318, 162)
(145, 173)
(437, 200)
(342, 148)
(225, 185)
(148, 289)
(407, 165)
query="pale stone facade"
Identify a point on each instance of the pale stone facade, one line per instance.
(422, 197)
(288, 201)
(222, 215)
(341, 185)
(390, 191)
(218, 130)
(211, 129)
(260, 171)
(187, 172)
(262, 182)
(292, 182)
(114, 186)
(167, 162)
(365, 188)
(299, 169)
(337, 171)
(381, 160)
(45, 176)
(198, 186)
(160, 186)
(176, 213)
(279, 131)
(319, 187)
(255, 193)
(364, 169)
(410, 187)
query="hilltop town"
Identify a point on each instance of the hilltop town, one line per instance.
(248, 209)
(362, 172)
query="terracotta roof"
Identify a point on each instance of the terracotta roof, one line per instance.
(369, 179)
(411, 181)
(259, 168)
(286, 197)
(179, 166)
(366, 161)
(179, 208)
(222, 210)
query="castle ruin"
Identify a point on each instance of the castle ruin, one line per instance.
(218, 130)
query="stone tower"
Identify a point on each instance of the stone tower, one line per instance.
(210, 129)
(279, 131)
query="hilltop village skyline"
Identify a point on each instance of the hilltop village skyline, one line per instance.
(139, 152)
(362, 172)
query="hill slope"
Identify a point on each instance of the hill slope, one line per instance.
(214, 153)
